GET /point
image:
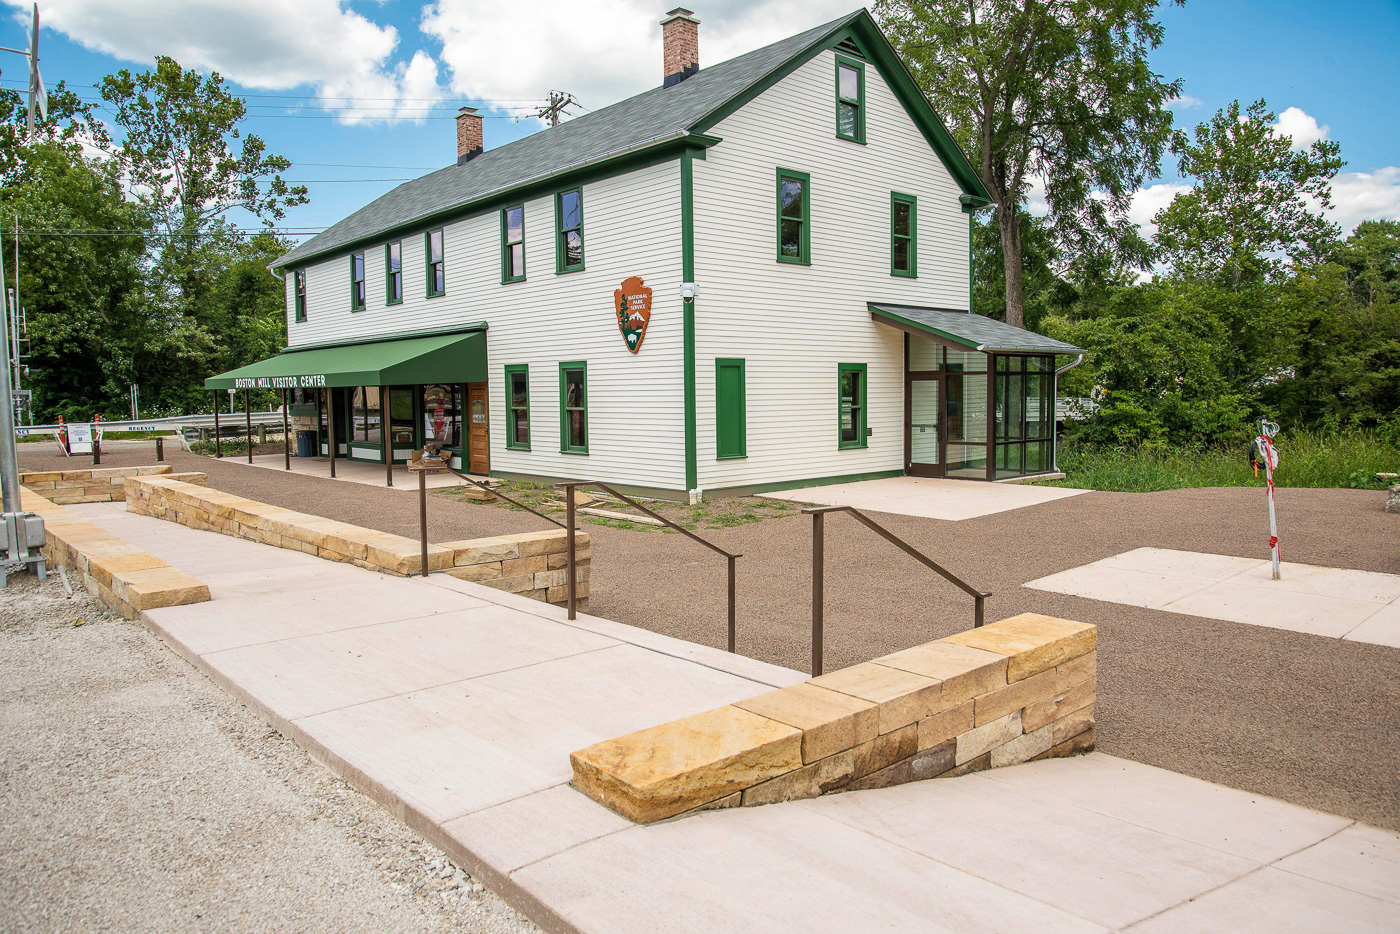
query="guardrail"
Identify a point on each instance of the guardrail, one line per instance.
(819, 514)
(174, 422)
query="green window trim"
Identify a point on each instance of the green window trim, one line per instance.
(567, 444)
(731, 410)
(562, 232)
(513, 442)
(436, 278)
(856, 406)
(909, 238)
(850, 109)
(299, 294)
(509, 272)
(393, 277)
(802, 218)
(357, 281)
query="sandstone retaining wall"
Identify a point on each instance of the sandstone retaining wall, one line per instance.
(1015, 690)
(94, 484)
(531, 564)
(124, 578)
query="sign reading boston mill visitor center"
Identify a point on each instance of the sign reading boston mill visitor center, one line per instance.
(279, 382)
(633, 302)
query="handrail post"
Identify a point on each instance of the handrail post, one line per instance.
(423, 517)
(818, 588)
(218, 446)
(731, 602)
(978, 618)
(570, 546)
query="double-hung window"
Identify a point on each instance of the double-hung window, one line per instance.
(357, 282)
(299, 284)
(518, 403)
(393, 273)
(432, 248)
(794, 217)
(851, 390)
(904, 236)
(850, 99)
(573, 408)
(568, 225)
(513, 244)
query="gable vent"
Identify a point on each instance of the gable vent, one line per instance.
(850, 48)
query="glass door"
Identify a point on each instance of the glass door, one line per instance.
(925, 427)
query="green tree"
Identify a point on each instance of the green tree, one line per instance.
(1056, 90)
(70, 123)
(1255, 206)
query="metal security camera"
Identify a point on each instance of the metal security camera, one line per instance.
(689, 290)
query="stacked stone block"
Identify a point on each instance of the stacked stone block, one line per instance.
(531, 564)
(94, 485)
(1013, 691)
(124, 578)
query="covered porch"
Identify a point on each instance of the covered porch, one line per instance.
(979, 395)
(364, 407)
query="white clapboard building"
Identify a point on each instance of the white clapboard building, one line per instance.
(755, 276)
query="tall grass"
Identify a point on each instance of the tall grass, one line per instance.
(1326, 458)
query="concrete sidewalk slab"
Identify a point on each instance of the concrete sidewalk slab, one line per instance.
(479, 765)
(1338, 603)
(927, 497)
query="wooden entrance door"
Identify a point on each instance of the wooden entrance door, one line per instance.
(478, 430)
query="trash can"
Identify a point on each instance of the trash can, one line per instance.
(306, 443)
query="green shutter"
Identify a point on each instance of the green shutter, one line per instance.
(730, 410)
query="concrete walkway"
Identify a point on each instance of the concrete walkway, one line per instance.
(1363, 606)
(456, 707)
(928, 497)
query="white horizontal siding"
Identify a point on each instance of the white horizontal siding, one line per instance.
(795, 324)
(636, 402)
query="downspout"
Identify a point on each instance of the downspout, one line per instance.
(1055, 401)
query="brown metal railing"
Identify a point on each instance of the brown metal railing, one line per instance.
(818, 514)
(423, 517)
(571, 508)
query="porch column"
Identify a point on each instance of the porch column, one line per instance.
(991, 416)
(385, 436)
(329, 395)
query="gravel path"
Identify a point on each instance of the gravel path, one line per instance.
(1294, 716)
(136, 796)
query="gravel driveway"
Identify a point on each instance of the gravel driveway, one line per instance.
(136, 796)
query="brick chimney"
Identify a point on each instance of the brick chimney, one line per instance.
(680, 41)
(468, 134)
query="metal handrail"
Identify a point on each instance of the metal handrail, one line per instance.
(571, 508)
(818, 514)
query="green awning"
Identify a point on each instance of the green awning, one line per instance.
(409, 361)
(966, 330)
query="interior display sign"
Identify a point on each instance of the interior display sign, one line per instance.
(633, 303)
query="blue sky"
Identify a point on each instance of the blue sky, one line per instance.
(356, 90)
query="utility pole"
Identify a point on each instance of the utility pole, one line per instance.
(558, 101)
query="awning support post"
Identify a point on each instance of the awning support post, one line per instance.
(286, 437)
(330, 425)
(385, 436)
(218, 445)
(248, 421)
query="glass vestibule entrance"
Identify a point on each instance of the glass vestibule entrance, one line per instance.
(975, 415)
(408, 417)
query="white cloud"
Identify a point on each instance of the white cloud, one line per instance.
(601, 54)
(1184, 102)
(1361, 196)
(263, 44)
(1148, 201)
(1301, 127)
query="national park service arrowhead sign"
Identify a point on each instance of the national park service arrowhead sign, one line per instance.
(633, 303)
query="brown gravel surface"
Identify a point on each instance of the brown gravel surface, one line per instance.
(1299, 717)
(135, 795)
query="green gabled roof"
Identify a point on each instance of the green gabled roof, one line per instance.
(655, 119)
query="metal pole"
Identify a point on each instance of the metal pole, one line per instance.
(385, 436)
(248, 421)
(423, 516)
(818, 589)
(160, 448)
(569, 547)
(731, 603)
(978, 617)
(9, 464)
(330, 424)
(286, 438)
(218, 445)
